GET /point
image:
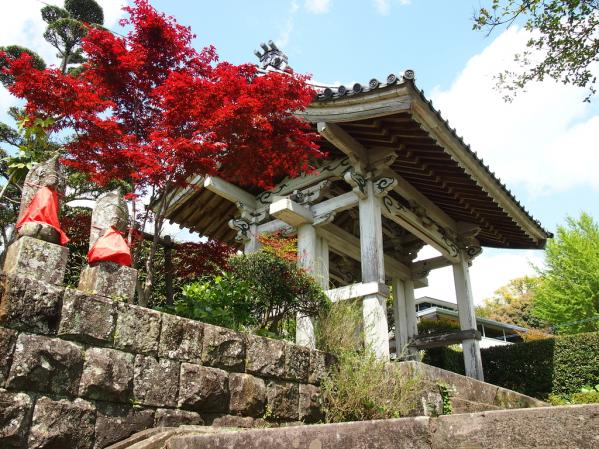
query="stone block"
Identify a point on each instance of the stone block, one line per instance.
(36, 259)
(47, 365)
(181, 339)
(320, 363)
(62, 424)
(8, 337)
(115, 422)
(137, 329)
(204, 389)
(223, 348)
(90, 319)
(248, 395)
(169, 417)
(107, 375)
(265, 357)
(310, 403)
(283, 400)
(14, 419)
(110, 280)
(297, 362)
(29, 305)
(156, 381)
(242, 422)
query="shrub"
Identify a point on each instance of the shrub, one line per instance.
(586, 395)
(260, 292)
(361, 387)
(337, 329)
(559, 366)
(435, 326)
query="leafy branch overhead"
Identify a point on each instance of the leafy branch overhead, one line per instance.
(564, 42)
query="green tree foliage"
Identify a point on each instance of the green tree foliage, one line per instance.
(87, 11)
(564, 34)
(513, 304)
(568, 295)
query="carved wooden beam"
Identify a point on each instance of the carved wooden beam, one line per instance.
(444, 339)
(229, 191)
(344, 142)
(290, 212)
(329, 169)
(432, 234)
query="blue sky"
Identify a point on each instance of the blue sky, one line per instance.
(543, 145)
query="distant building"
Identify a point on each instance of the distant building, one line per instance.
(494, 333)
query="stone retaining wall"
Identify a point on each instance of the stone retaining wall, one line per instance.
(80, 371)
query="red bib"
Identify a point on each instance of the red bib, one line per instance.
(43, 208)
(111, 247)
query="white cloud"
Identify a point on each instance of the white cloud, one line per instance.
(383, 7)
(546, 139)
(487, 274)
(285, 32)
(318, 6)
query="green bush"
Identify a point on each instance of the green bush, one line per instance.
(362, 387)
(437, 326)
(359, 386)
(556, 366)
(259, 292)
(446, 358)
(586, 395)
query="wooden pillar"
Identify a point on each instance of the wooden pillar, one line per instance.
(399, 314)
(472, 358)
(168, 268)
(307, 254)
(404, 312)
(252, 244)
(321, 270)
(374, 311)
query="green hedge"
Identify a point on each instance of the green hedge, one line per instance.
(560, 365)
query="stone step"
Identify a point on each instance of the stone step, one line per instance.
(565, 427)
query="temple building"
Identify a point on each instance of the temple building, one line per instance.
(397, 177)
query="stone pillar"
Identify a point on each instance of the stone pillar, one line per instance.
(374, 311)
(108, 279)
(36, 253)
(472, 358)
(307, 254)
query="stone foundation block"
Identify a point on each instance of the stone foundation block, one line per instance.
(248, 395)
(116, 422)
(169, 417)
(107, 375)
(204, 389)
(265, 357)
(297, 363)
(47, 365)
(181, 339)
(223, 348)
(29, 305)
(137, 329)
(90, 319)
(62, 424)
(8, 338)
(110, 280)
(36, 259)
(156, 381)
(14, 419)
(283, 400)
(310, 403)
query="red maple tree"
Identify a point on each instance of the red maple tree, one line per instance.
(150, 109)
